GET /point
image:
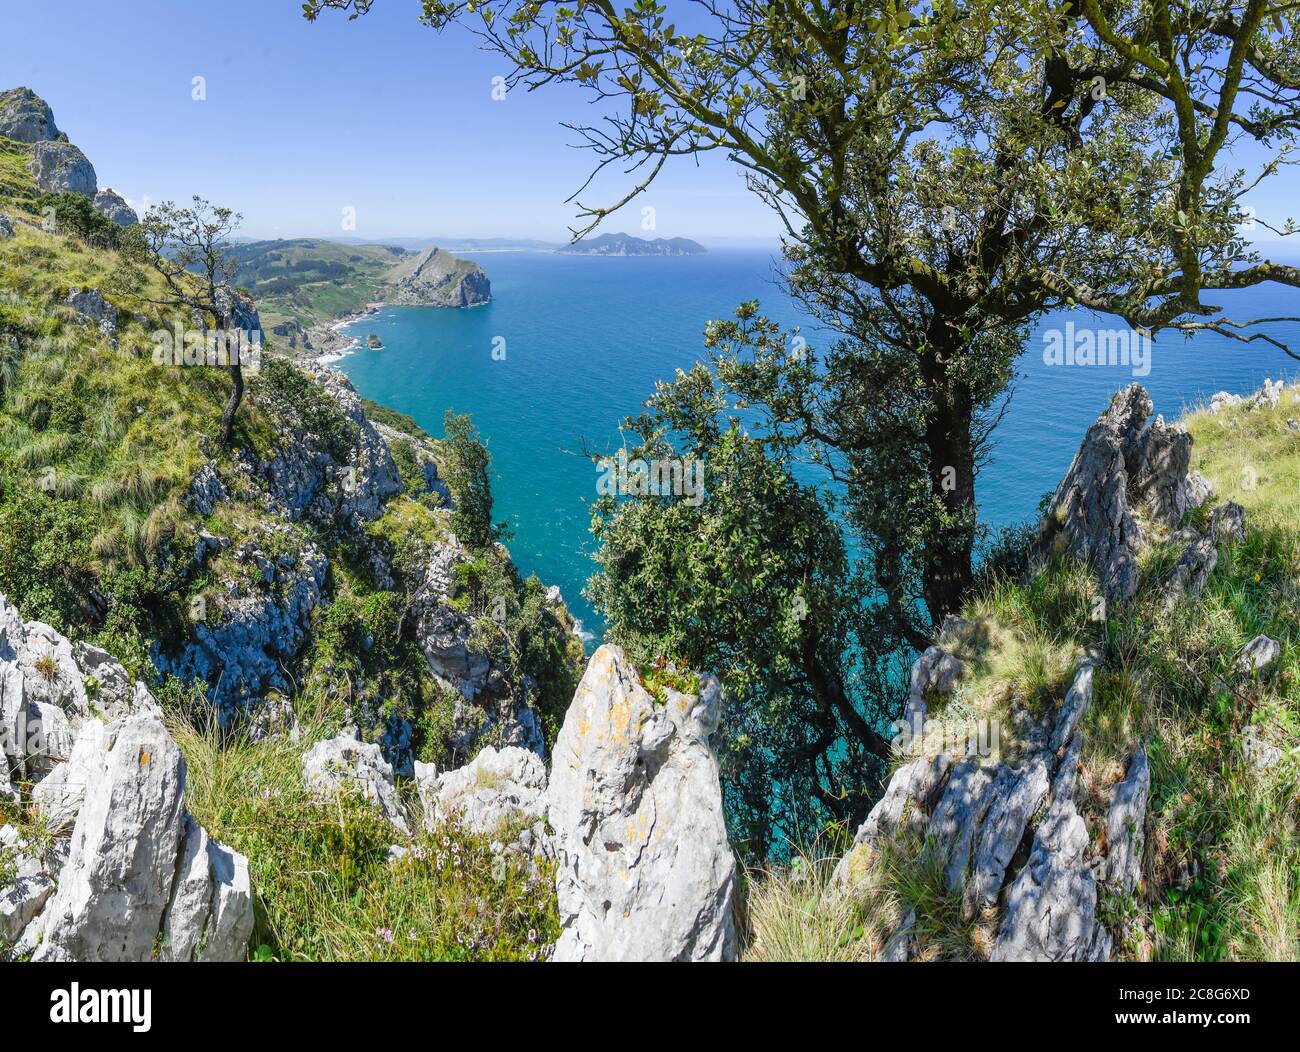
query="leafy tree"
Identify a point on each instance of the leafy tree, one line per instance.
(76, 214)
(465, 467)
(755, 582)
(190, 249)
(944, 175)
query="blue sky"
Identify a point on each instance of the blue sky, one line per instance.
(381, 115)
(303, 120)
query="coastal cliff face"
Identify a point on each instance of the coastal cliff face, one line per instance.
(435, 278)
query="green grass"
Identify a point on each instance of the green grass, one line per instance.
(324, 887)
(309, 280)
(1221, 876)
(18, 190)
(1253, 458)
(792, 912)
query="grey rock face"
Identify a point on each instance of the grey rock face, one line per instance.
(1199, 489)
(497, 791)
(1267, 396)
(435, 278)
(935, 672)
(485, 702)
(241, 641)
(1262, 755)
(974, 818)
(1075, 705)
(1012, 798)
(113, 207)
(443, 632)
(644, 870)
(40, 686)
(345, 764)
(20, 903)
(1228, 522)
(115, 899)
(958, 817)
(1121, 465)
(1193, 569)
(1051, 906)
(6, 226)
(60, 167)
(909, 799)
(1089, 514)
(1259, 656)
(21, 900)
(1189, 577)
(26, 117)
(105, 893)
(210, 915)
(206, 490)
(308, 480)
(1126, 821)
(93, 309)
(1160, 482)
(59, 795)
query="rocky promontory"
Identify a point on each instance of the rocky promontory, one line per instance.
(434, 278)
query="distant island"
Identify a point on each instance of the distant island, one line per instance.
(374, 343)
(627, 245)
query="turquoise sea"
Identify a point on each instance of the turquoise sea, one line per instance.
(585, 339)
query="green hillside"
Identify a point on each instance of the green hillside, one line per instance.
(310, 280)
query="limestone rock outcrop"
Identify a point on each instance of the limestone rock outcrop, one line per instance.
(498, 792)
(344, 764)
(108, 783)
(644, 870)
(1268, 396)
(242, 638)
(113, 207)
(1010, 838)
(486, 703)
(1089, 515)
(311, 478)
(1122, 467)
(93, 309)
(59, 167)
(26, 117)
(434, 278)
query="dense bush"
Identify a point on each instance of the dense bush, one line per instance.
(74, 214)
(465, 465)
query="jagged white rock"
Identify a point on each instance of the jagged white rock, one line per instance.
(1013, 797)
(1075, 705)
(644, 870)
(499, 789)
(1125, 823)
(107, 893)
(338, 763)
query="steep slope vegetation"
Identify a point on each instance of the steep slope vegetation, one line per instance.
(1198, 674)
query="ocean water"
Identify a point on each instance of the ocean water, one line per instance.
(585, 339)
